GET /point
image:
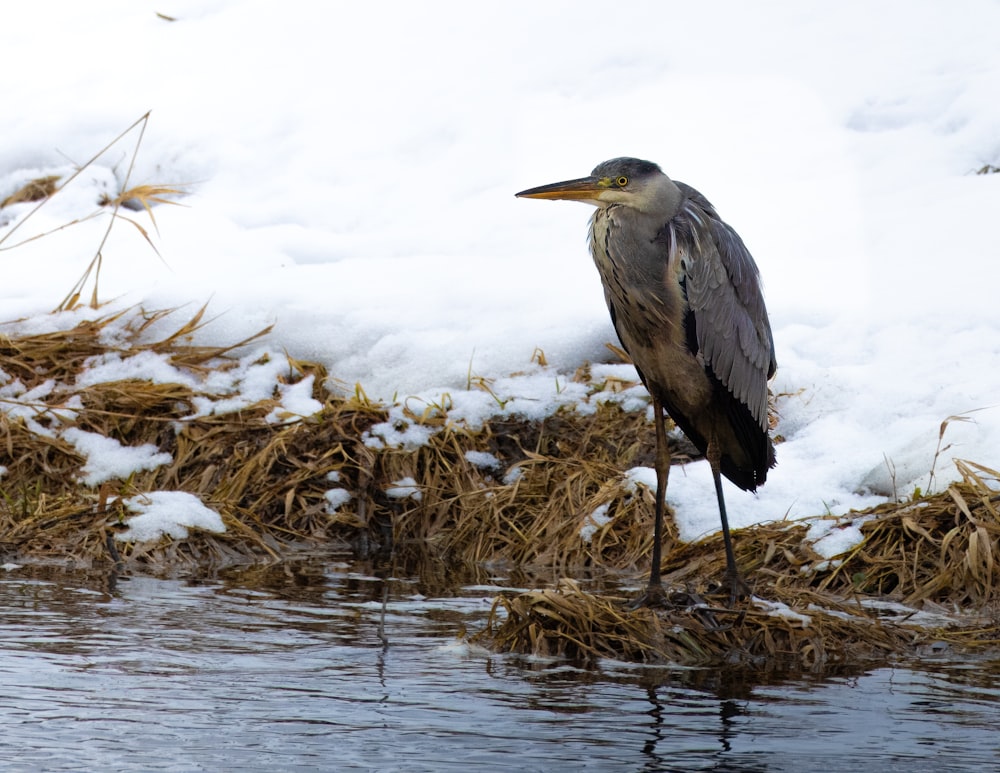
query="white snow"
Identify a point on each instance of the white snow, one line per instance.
(483, 460)
(335, 498)
(145, 366)
(641, 476)
(297, 402)
(27, 405)
(107, 459)
(832, 538)
(513, 475)
(351, 173)
(404, 488)
(169, 513)
(258, 376)
(782, 610)
(595, 521)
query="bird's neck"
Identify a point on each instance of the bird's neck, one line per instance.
(660, 199)
(634, 224)
(621, 240)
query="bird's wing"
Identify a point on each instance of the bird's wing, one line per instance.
(733, 332)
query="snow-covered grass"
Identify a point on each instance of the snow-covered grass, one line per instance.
(351, 175)
(107, 459)
(167, 512)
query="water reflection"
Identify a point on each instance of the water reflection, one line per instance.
(335, 664)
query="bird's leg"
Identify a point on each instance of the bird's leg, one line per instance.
(654, 589)
(737, 587)
(662, 473)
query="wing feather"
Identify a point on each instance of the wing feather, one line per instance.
(724, 295)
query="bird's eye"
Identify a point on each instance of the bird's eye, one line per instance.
(622, 181)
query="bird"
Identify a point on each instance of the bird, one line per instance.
(687, 303)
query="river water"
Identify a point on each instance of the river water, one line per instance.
(301, 667)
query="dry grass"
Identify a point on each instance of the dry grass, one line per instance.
(941, 548)
(268, 481)
(938, 555)
(141, 197)
(701, 630)
(38, 189)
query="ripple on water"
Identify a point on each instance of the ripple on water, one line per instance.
(291, 673)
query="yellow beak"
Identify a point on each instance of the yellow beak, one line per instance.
(583, 189)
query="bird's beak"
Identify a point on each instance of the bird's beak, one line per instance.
(584, 189)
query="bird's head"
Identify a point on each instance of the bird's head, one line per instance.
(628, 181)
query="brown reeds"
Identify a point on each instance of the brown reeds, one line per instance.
(696, 630)
(925, 572)
(552, 496)
(37, 189)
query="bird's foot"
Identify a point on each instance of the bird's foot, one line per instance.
(738, 589)
(737, 586)
(656, 596)
(653, 596)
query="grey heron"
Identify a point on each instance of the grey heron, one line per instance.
(686, 302)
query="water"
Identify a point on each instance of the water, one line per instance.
(295, 669)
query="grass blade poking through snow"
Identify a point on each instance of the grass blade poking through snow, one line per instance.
(138, 197)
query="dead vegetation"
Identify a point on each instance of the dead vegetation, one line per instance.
(37, 189)
(699, 630)
(138, 198)
(269, 479)
(925, 571)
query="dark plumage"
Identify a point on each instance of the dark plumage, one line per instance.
(685, 299)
